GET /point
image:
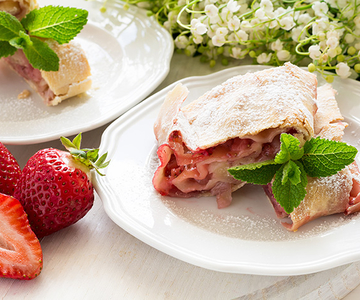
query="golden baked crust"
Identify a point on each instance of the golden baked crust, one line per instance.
(246, 105)
(73, 75)
(18, 8)
(328, 111)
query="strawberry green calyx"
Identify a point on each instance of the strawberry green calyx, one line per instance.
(88, 157)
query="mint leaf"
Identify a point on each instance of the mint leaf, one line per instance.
(21, 41)
(41, 56)
(289, 195)
(59, 23)
(257, 173)
(9, 26)
(291, 172)
(289, 149)
(324, 158)
(6, 49)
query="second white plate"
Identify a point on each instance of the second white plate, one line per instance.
(245, 237)
(129, 54)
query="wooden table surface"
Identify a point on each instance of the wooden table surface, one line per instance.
(96, 259)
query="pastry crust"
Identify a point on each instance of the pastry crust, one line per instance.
(18, 8)
(245, 105)
(73, 75)
(328, 111)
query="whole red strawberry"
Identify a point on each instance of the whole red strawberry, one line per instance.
(20, 251)
(55, 187)
(9, 171)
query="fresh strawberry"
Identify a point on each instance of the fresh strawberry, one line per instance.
(20, 251)
(9, 171)
(55, 187)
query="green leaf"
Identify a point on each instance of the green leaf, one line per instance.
(93, 155)
(289, 149)
(257, 173)
(41, 56)
(77, 141)
(9, 26)
(291, 172)
(22, 41)
(323, 157)
(289, 195)
(59, 23)
(6, 49)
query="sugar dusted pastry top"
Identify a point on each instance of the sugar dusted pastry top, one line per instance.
(73, 75)
(245, 105)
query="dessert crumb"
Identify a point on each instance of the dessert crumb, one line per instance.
(24, 94)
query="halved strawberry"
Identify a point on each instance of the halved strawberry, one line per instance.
(20, 252)
(55, 187)
(10, 171)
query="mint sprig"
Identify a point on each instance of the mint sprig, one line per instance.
(292, 164)
(58, 23)
(55, 22)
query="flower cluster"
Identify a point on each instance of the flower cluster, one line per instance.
(323, 34)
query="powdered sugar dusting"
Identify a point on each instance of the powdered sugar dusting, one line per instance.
(278, 97)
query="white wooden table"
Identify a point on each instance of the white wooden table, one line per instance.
(95, 259)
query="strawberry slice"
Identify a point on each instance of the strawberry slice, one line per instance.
(20, 252)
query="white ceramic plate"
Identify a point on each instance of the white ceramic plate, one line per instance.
(129, 54)
(245, 237)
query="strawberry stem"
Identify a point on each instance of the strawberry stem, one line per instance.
(89, 157)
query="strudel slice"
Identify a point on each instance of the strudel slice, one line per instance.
(237, 122)
(339, 193)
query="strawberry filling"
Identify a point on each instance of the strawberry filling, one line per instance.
(21, 65)
(186, 173)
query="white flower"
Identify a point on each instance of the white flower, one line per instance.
(222, 31)
(283, 55)
(212, 31)
(191, 50)
(343, 70)
(357, 21)
(304, 19)
(263, 58)
(287, 23)
(226, 14)
(332, 42)
(197, 27)
(349, 38)
(234, 23)
(279, 11)
(332, 3)
(314, 52)
(181, 41)
(232, 37)
(332, 52)
(215, 19)
(267, 6)
(322, 36)
(198, 39)
(218, 40)
(357, 46)
(332, 33)
(181, 2)
(211, 10)
(238, 53)
(323, 45)
(260, 13)
(320, 8)
(277, 45)
(233, 6)
(246, 26)
(242, 35)
(297, 33)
